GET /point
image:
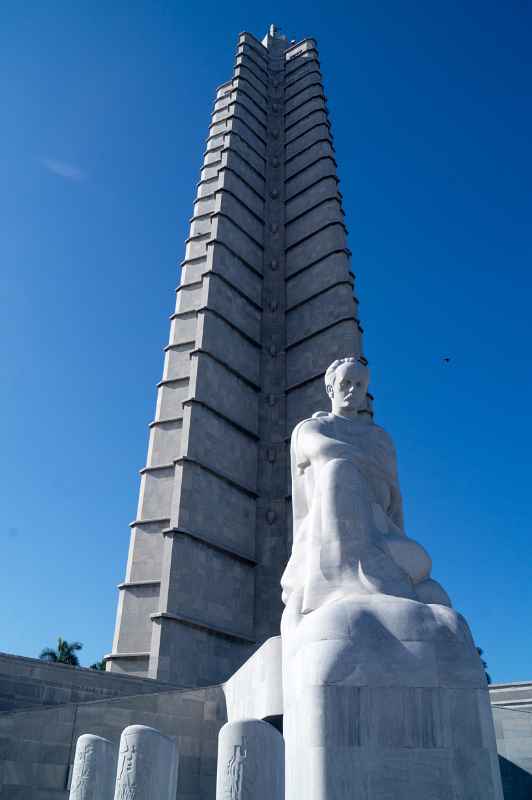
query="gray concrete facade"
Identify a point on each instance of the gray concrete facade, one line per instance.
(264, 304)
(27, 683)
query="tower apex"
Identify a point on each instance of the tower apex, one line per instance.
(274, 32)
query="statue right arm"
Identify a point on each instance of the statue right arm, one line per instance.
(300, 447)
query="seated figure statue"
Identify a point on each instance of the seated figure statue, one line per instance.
(348, 517)
(384, 692)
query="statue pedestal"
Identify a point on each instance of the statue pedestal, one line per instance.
(385, 698)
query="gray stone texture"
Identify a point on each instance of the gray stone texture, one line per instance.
(27, 683)
(513, 729)
(516, 696)
(512, 714)
(265, 302)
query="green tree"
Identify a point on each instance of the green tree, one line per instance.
(484, 664)
(99, 665)
(64, 653)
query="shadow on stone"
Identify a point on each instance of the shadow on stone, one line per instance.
(516, 782)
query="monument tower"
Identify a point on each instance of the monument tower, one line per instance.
(265, 303)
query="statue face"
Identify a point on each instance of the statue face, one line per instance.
(348, 390)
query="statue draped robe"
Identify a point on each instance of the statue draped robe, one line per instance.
(384, 693)
(348, 521)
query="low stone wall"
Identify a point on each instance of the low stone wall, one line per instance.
(513, 729)
(30, 683)
(512, 712)
(37, 746)
(512, 695)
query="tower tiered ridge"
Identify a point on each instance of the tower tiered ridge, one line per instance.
(265, 303)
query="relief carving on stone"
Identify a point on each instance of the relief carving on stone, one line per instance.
(250, 761)
(240, 774)
(147, 765)
(93, 774)
(82, 772)
(127, 770)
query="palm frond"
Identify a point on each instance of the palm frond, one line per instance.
(65, 652)
(48, 654)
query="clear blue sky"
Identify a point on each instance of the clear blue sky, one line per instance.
(105, 108)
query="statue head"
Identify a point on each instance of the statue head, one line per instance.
(346, 383)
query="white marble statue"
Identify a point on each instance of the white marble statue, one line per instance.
(384, 692)
(348, 516)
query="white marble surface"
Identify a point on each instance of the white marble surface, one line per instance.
(348, 517)
(384, 693)
(93, 775)
(147, 765)
(250, 762)
(255, 691)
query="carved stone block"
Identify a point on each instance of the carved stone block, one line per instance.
(93, 776)
(250, 762)
(147, 765)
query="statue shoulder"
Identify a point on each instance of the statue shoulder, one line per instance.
(314, 424)
(383, 439)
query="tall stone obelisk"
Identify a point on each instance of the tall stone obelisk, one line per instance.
(265, 303)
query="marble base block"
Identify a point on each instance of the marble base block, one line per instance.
(386, 699)
(93, 776)
(250, 762)
(147, 765)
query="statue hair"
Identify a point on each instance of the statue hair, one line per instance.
(356, 360)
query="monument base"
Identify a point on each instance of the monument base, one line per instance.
(392, 744)
(385, 697)
(38, 744)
